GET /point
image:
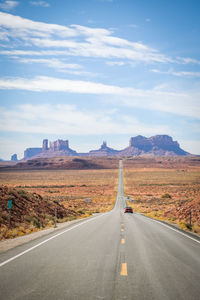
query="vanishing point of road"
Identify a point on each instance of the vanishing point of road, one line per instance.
(109, 256)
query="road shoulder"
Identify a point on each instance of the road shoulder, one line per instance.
(8, 244)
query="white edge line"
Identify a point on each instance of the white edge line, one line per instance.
(168, 226)
(45, 241)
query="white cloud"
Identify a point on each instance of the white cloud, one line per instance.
(8, 5)
(68, 119)
(76, 40)
(115, 63)
(86, 42)
(32, 53)
(53, 62)
(188, 60)
(152, 99)
(105, 47)
(19, 27)
(57, 64)
(178, 73)
(40, 3)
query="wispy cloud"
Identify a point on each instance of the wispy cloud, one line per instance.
(76, 40)
(21, 28)
(152, 99)
(8, 5)
(57, 64)
(54, 63)
(178, 73)
(68, 119)
(115, 63)
(32, 52)
(40, 3)
(187, 60)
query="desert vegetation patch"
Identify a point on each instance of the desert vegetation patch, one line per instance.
(166, 189)
(36, 193)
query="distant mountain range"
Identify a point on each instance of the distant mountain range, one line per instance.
(158, 145)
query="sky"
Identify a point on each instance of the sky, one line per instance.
(95, 70)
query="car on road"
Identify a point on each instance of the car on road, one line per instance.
(128, 210)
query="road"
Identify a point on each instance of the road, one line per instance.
(110, 256)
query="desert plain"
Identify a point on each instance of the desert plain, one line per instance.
(165, 188)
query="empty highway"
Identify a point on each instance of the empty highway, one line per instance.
(109, 256)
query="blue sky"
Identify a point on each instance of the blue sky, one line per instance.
(94, 70)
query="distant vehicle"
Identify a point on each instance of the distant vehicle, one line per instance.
(128, 210)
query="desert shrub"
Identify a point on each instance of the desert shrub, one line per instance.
(188, 226)
(11, 233)
(81, 211)
(23, 193)
(11, 197)
(28, 218)
(166, 196)
(34, 221)
(4, 215)
(185, 226)
(13, 193)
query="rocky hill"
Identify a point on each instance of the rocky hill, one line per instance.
(30, 212)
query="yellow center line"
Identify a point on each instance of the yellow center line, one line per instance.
(122, 224)
(122, 229)
(124, 269)
(123, 241)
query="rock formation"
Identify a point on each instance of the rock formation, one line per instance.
(45, 145)
(56, 148)
(158, 145)
(103, 151)
(14, 157)
(30, 152)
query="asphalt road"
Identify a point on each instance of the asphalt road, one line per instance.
(110, 256)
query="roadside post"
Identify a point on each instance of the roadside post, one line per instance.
(55, 217)
(9, 211)
(190, 216)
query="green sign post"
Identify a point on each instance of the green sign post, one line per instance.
(9, 204)
(9, 210)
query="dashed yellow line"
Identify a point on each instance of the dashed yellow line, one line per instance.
(124, 269)
(123, 241)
